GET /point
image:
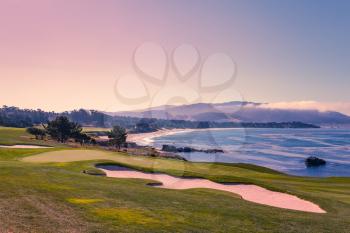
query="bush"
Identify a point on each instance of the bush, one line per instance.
(38, 133)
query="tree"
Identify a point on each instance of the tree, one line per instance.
(117, 136)
(62, 129)
(38, 133)
(82, 138)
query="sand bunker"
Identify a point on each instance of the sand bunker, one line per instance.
(25, 147)
(251, 193)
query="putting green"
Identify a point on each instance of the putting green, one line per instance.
(63, 156)
(70, 156)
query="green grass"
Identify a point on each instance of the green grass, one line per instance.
(95, 129)
(83, 200)
(59, 197)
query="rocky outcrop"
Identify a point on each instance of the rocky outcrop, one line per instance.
(174, 149)
(313, 161)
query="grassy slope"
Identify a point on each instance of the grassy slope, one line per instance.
(59, 197)
(13, 136)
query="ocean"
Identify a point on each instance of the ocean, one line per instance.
(284, 150)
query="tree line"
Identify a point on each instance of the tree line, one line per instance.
(15, 117)
(62, 129)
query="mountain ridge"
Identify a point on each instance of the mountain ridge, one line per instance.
(236, 111)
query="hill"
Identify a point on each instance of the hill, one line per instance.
(237, 112)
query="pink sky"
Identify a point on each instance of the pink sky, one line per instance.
(61, 55)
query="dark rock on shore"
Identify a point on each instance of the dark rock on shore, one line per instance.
(171, 155)
(139, 150)
(313, 161)
(170, 148)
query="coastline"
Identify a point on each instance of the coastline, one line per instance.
(147, 138)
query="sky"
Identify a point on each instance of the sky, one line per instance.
(67, 54)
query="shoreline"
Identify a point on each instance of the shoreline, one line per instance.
(146, 139)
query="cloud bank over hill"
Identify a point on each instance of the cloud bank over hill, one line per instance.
(236, 111)
(342, 107)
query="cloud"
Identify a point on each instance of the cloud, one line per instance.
(343, 107)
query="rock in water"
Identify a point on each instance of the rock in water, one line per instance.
(169, 148)
(214, 151)
(186, 149)
(313, 161)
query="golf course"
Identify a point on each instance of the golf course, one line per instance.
(60, 189)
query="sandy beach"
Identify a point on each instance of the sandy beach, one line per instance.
(147, 138)
(252, 193)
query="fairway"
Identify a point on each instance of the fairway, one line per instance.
(58, 187)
